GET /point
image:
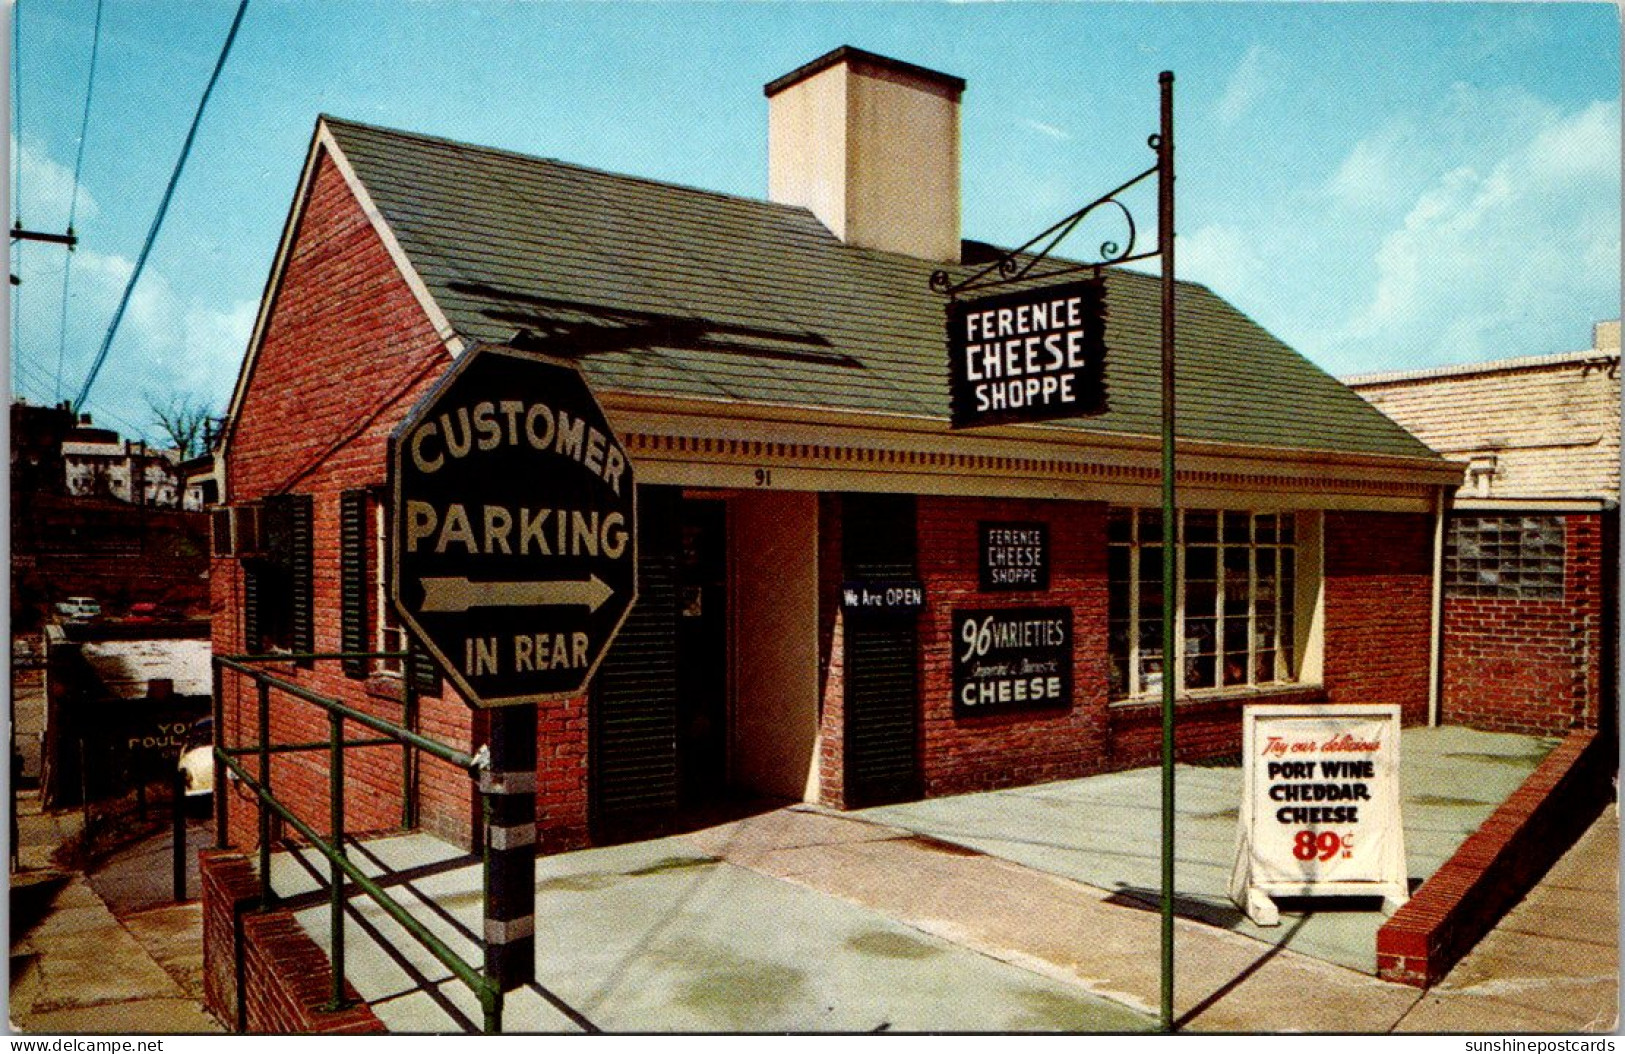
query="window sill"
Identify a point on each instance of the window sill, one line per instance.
(1275, 693)
(386, 686)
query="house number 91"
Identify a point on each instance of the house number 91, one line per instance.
(764, 477)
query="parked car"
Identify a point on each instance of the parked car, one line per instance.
(79, 609)
(197, 760)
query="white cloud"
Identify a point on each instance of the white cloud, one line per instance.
(1050, 130)
(1488, 253)
(1372, 173)
(1258, 73)
(167, 342)
(1226, 260)
(47, 189)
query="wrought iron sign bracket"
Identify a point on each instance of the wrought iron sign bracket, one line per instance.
(1018, 264)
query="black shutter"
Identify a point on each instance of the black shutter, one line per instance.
(301, 516)
(251, 609)
(422, 669)
(882, 698)
(633, 699)
(353, 590)
(882, 707)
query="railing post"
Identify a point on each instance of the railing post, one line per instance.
(265, 783)
(491, 1003)
(409, 758)
(222, 835)
(509, 808)
(177, 834)
(335, 892)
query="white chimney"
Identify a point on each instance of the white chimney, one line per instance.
(871, 146)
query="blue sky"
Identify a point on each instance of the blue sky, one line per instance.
(1383, 186)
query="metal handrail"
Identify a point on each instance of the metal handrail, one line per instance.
(484, 989)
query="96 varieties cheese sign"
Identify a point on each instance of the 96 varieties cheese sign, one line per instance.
(1011, 659)
(1320, 811)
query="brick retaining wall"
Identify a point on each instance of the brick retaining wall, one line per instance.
(1498, 863)
(261, 971)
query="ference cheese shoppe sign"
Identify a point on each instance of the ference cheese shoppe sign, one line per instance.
(1320, 806)
(1036, 355)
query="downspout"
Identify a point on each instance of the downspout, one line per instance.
(1441, 504)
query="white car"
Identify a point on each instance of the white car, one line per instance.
(79, 609)
(197, 760)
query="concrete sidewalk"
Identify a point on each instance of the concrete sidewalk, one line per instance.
(1552, 965)
(975, 913)
(82, 969)
(1105, 831)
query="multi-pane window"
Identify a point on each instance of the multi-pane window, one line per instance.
(1519, 557)
(1233, 599)
(391, 635)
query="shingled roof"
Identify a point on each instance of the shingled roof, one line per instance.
(668, 291)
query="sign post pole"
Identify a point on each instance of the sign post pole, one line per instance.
(509, 791)
(997, 374)
(1170, 533)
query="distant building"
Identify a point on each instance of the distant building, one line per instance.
(1531, 542)
(121, 698)
(95, 515)
(97, 463)
(37, 434)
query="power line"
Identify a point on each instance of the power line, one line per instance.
(163, 207)
(73, 200)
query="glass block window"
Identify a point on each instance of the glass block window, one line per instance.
(1233, 600)
(1515, 557)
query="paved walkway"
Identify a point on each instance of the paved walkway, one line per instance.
(80, 968)
(1552, 965)
(1105, 831)
(806, 920)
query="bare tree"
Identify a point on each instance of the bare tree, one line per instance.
(187, 423)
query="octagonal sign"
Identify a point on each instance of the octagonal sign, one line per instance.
(513, 528)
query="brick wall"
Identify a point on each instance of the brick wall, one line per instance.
(1498, 863)
(261, 972)
(1203, 729)
(831, 636)
(346, 353)
(1532, 666)
(1379, 590)
(961, 754)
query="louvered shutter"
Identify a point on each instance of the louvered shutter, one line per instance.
(353, 592)
(882, 698)
(301, 517)
(422, 669)
(633, 697)
(251, 609)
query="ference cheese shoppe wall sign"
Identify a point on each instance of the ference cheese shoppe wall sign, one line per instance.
(514, 527)
(1036, 355)
(1320, 811)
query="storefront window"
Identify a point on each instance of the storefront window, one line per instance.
(1517, 557)
(1233, 602)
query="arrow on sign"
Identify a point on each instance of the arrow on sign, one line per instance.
(459, 594)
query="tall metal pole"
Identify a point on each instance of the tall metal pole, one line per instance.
(1170, 533)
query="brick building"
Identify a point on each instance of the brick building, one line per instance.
(1530, 572)
(776, 372)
